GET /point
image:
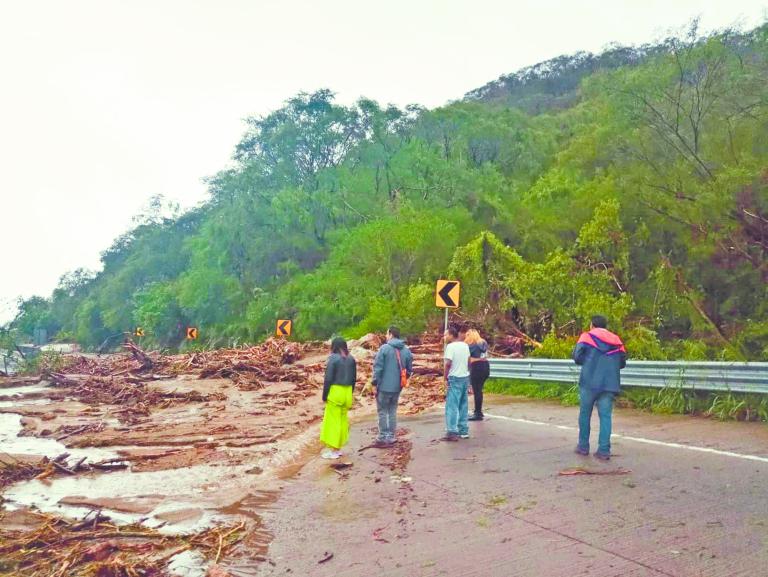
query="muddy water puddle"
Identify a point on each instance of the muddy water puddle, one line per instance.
(180, 501)
(174, 501)
(11, 442)
(23, 395)
(16, 404)
(188, 564)
(12, 393)
(221, 484)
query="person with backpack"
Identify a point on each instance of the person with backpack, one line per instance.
(339, 383)
(392, 367)
(601, 355)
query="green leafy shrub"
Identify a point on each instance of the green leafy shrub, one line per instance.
(554, 347)
(689, 350)
(753, 339)
(644, 344)
(46, 361)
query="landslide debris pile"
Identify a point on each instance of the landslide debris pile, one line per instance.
(145, 395)
(122, 379)
(227, 407)
(96, 547)
(13, 469)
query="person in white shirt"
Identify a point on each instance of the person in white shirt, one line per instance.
(457, 379)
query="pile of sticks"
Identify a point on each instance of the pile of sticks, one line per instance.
(129, 391)
(13, 470)
(61, 465)
(95, 546)
(251, 367)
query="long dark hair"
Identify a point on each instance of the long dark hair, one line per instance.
(339, 346)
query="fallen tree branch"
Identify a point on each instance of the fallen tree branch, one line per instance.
(63, 469)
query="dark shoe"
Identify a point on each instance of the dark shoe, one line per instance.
(582, 452)
(382, 445)
(603, 456)
(450, 437)
(475, 418)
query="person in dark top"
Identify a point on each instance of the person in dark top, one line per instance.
(479, 370)
(339, 383)
(392, 366)
(601, 355)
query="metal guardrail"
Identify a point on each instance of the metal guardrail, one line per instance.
(695, 375)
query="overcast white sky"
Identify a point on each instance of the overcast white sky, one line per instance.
(106, 103)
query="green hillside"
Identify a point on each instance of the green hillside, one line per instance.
(632, 183)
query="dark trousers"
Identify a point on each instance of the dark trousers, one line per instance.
(479, 372)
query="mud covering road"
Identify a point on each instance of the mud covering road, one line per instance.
(687, 498)
(144, 464)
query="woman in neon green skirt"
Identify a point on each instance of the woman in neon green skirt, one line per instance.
(340, 376)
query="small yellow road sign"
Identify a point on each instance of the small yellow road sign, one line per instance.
(191, 333)
(284, 328)
(139, 332)
(447, 294)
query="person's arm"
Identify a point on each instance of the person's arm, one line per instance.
(354, 372)
(623, 362)
(469, 356)
(330, 370)
(448, 362)
(409, 364)
(579, 352)
(378, 367)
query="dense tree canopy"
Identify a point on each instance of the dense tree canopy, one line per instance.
(633, 183)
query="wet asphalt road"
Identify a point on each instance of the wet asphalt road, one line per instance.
(694, 502)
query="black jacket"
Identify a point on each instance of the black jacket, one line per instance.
(339, 371)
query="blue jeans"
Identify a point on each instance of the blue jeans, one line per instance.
(588, 398)
(386, 405)
(456, 406)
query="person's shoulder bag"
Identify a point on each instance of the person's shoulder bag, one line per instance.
(403, 372)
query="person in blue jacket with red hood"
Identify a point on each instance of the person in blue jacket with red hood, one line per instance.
(601, 355)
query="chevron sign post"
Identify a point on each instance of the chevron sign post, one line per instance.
(447, 296)
(283, 328)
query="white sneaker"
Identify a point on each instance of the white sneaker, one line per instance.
(329, 454)
(465, 436)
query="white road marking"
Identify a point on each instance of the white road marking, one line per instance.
(640, 440)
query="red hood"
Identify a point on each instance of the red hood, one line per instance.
(607, 337)
(603, 335)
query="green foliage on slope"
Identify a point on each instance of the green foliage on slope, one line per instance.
(643, 197)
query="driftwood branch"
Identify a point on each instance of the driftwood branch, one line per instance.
(146, 361)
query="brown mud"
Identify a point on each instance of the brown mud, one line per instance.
(178, 450)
